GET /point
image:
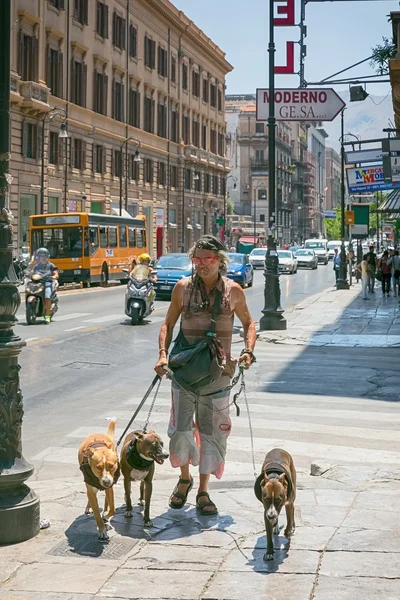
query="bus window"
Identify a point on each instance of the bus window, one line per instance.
(112, 236)
(122, 236)
(141, 238)
(132, 237)
(61, 242)
(93, 241)
(103, 237)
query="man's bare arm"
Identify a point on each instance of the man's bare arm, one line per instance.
(249, 329)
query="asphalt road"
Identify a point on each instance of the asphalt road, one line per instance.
(90, 360)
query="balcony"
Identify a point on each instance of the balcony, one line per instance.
(15, 96)
(191, 151)
(259, 165)
(35, 96)
(249, 136)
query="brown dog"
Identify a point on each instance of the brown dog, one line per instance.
(138, 455)
(275, 488)
(98, 461)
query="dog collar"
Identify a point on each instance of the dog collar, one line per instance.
(136, 460)
(272, 469)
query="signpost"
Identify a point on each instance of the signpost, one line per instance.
(349, 217)
(391, 160)
(330, 214)
(311, 104)
(363, 156)
(360, 229)
(367, 179)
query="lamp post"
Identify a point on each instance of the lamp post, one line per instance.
(342, 283)
(49, 116)
(263, 197)
(272, 312)
(19, 505)
(225, 202)
(136, 159)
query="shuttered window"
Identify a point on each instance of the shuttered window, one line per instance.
(54, 71)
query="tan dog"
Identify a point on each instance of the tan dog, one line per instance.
(276, 488)
(98, 461)
(138, 455)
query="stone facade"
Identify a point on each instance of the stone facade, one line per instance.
(333, 179)
(130, 79)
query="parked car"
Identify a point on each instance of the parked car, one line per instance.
(257, 257)
(307, 259)
(287, 262)
(240, 269)
(170, 269)
(319, 247)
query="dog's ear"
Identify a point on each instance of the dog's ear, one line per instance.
(282, 480)
(265, 480)
(138, 435)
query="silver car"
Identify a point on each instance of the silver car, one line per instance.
(287, 262)
(306, 259)
(257, 257)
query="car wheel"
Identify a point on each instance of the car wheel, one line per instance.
(250, 284)
(243, 284)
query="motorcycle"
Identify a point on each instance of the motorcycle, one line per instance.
(139, 298)
(20, 263)
(34, 297)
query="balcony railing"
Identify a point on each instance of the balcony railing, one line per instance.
(191, 151)
(31, 90)
(259, 164)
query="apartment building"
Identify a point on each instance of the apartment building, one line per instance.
(316, 144)
(333, 179)
(140, 90)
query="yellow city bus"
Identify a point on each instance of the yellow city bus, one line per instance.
(88, 247)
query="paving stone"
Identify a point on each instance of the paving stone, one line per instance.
(174, 557)
(8, 595)
(372, 540)
(357, 588)
(301, 562)
(274, 586)
(320, 515)
(7, 568)
(138, 584)
(48, 577)
(372, 500)
(361, 564)
(189, 534)
(372, 519)
(304, 538)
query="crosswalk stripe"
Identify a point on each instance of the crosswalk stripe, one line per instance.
(105, 318)
(70, 316)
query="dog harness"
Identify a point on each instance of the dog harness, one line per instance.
(135, 460)
(273, 469)
(88, 476)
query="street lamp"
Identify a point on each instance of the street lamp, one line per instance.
(63, 134)
(342, 283)
(225, 201)
(136, 159)
(263, 197)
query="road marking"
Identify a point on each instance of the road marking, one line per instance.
(37, 341)
(31, 339)
(76, 328)
(70, 316)
(105, 319)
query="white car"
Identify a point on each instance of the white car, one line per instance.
(287, 262)
(319, 247)
(257, 257)
(307, 259)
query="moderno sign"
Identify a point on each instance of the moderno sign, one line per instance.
(300, 104)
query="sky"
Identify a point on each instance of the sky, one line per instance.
(339, 34)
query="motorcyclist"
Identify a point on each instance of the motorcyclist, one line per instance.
(48, 271)
(143, 270)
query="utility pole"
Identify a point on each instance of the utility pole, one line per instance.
(19, 505)
(272, 312)
(341, 283)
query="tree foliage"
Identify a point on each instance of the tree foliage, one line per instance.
(381, 54)
(230, 206)
(332, 226)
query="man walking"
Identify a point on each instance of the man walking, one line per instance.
(363, 267)
(336, 263)
(203, 442)
(384, 266)
(372, 264)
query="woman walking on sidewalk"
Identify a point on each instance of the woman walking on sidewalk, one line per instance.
(363, 266)
(384, 266)
(395, 264)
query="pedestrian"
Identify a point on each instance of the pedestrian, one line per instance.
(372, 263)
(385, 268)
(395, 265)
(336, 263)
(363, 267)
(203, 442)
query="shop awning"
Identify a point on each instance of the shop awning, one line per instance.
(189, 226)
(173, 225)
(391, 203)
(198, 226)
(249, 240)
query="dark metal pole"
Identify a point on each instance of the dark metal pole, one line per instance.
(42, 168)
(224, 225)
(255, 216)
(342, 283)
(272, 312)
(121, 163)
(68, 141)
(19, 505)
(183, 209)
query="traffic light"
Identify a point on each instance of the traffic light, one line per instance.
(357, 93)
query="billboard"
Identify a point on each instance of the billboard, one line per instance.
(391, 160)
(367, 179)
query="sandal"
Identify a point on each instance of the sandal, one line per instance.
(204, 505)
(182, 497)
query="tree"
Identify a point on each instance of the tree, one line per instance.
(381, 54)
(333, 226)
(229, 206)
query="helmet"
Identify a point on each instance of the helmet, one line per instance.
(42, 252)
(144, 257)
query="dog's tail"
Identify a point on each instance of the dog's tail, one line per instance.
(111, 429)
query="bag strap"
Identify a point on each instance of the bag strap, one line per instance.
(215, 313)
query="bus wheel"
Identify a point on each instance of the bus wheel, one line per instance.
(104, 275)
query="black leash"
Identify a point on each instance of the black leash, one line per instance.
(157, 379)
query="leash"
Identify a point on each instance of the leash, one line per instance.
(157, 379)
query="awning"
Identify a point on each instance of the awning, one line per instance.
(391, 204)
(198, 226)
(173, 225)
(189, 226)
(249, 240)
(115, 211)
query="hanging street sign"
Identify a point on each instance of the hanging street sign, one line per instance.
(349, 216)
(330, 214)
(363, 156)
(311, 104)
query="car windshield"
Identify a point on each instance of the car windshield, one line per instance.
(236, 259)
(283, 254)
(179, 262)
(303, 253)
(314, 245)
(332, 245)
(259, 252)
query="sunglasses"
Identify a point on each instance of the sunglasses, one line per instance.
(205, 261)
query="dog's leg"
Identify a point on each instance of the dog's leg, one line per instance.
(94, 505)
(109, 504)
(88, 510)
(269, 555)
(148, 489)
(290, 526)
(141, 499)
(128, 501)
(276, 528)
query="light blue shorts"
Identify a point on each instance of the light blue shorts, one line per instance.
(48, 289)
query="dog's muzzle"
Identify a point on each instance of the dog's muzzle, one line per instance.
(107, 481)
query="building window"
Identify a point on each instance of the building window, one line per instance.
(174, 176)
(132, 41)
(116, 163)
(149, 53)
(78, 154)
(184, 76)
(133, 168)
(186, 129)
(100, 92)
(28, 57)
(213, 141)
(215, 185)
(195, 133)
(162, 120)
(259, 127)
(221, 144)
(57, 4)
(54, 78)
(102, 19)
(81, 11)
(188, 179)
(206, 88)
(119, 31)
(78, 83)
(262, 218)
(55, 148)
(148, 171)
(219, 100)
(118, 101)
(161, 174)
(223, 186)
(134, 108)
(213, 95)
(204, 137)
(196, 84)
(173, 69)
(98, 158)
(174, 125)
(261, 194)
(149, 114)
(207, 183)
(260, 157)
(197, 181)
(162, 62)
(30, 140)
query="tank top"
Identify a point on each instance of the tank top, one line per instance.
(196, 320)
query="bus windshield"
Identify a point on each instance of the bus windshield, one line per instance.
(61, 242)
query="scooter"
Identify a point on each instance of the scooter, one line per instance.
(139, 298)
(34, 297)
